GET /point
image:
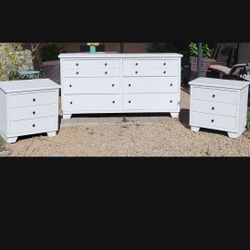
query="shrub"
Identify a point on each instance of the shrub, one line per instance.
(50, 52)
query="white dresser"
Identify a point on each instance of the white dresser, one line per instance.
(28, 107)
(120, 83)
(219, 104)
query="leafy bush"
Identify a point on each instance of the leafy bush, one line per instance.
(206, 50)
(50, 52)
(12, 59)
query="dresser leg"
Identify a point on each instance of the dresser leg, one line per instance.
(11, 139)
(233, 135)
(66, 116)
(51, 134)
(195, 129)
(175, 115)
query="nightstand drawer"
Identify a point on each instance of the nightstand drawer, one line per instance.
(33, 99)
(87, 64)
(33, 126)
(33, 112)
(91, 103)
(150, 84)
(214, 95)
(212, 121)
(91, 72)
(214, 108)
(91, 85)
(150, 101)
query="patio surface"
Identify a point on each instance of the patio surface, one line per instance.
(131, 135)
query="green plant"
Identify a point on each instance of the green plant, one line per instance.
(12, 59)
(206, 50)
(248, 120)
(50, 52)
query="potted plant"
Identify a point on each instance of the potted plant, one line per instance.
(92, 47)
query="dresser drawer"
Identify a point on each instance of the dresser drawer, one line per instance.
(33, 112)
(91, 103)
(32, 126)
(212, 121)
(150, 101)
(33, 99)
(214, 95)
(150, 84)
(149, 72)
(90, 63)
(214, 108)
(140, 63)
(91, 85)
(91, 72)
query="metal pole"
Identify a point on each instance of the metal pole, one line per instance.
(199, 59)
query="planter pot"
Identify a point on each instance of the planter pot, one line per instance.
(205, 62)
(92, 49)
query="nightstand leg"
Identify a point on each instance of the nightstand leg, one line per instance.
(66, 116)
(51, 134)
(175, 115)
(233, 135)
(11, 140)
(195, 129)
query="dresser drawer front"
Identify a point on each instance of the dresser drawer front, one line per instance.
(25, 113)
(91, 72)
(151, 63)
(150, 84)
(214, 95)
(33, 99)
(150, 102)
(214, 108)
(149, 72)
(212, 121)
(32, 126)
(91, 85)
(87, 64)
(75, 103)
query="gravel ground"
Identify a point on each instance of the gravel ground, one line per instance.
(158, 135)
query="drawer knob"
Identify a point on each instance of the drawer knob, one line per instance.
(105, 64)
(106, 72)
(71, 102)
(129, 101)
(77, 72)
(136, 64)
(113, 85)
(213, 96)
(34, 112)
(171, 84)
(33, 125)
(113, 101)
(164, 72)
(164, 63)
(70, 86)
(170, 101)
(212, 120)
(136, 72)
(129, 85)
(77, 64)
(212, 108)
(34, 99)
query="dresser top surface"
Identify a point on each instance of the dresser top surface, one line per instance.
(219, 83)
(28, 85)
(119, 55)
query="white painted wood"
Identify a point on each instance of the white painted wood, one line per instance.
(24, 113)
(151, 72)
(214, 95)
(33, 98)
(230, 105)
(214, 108)
(77, 103)
(33, 126)
(92, 72)
(174, 115)
(150, 85)
(150, 101)
(91, 85)
(27, 110)
(213, 121)
(81, 63)
(51, 134)
(92, 91)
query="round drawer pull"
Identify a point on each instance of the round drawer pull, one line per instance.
(136, 72)
(164, 72)
(105, 64)
(212, 120)
(113, 85)
(213, 96)
(71, 102)
(34, 99)
(77, 64)
(136, 64)
(77, 72)
(33, 125)
(171, 84)
(113, 101)
(106, 72)
(129, 101)
(129, 85)
(70, 86)
(34, 112)
(164, 63)
(170, 101)
(212, 108)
